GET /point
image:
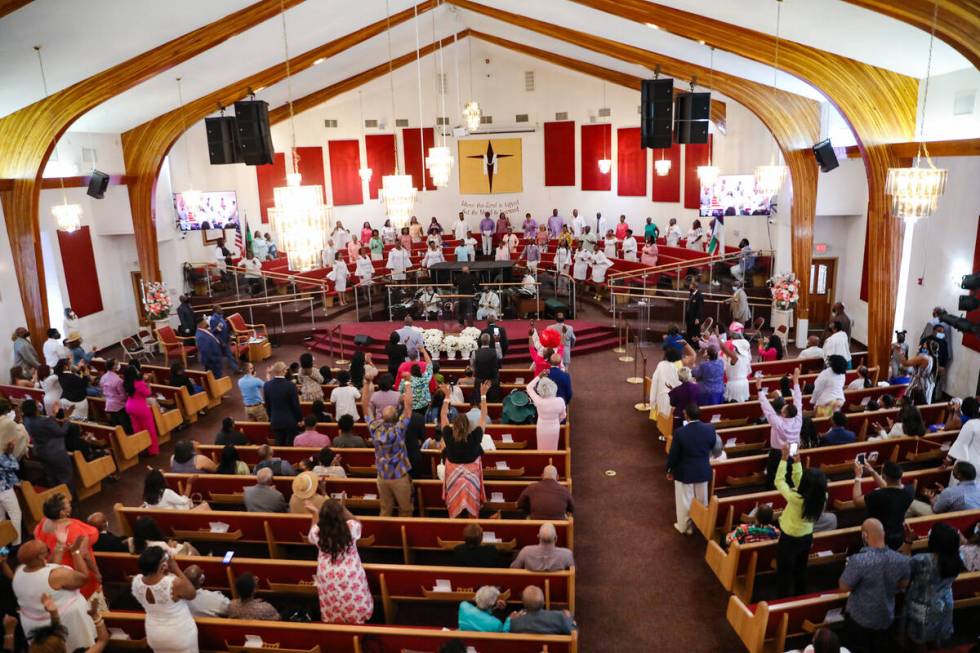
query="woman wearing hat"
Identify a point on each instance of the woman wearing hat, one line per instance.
(738, 353)
(306, 488)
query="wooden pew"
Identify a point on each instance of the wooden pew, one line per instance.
(277, 530)
(765, 627)
(739, 567)
(392, 584)
(787, 365)
(227, 489)
(125, 448)
(494, 410)
(89, 474)
(214, 388)
(834, 459)
(522, 436)
(521, 463)
(34, 498)
(284, 637)
(723, 513)
(16, 394)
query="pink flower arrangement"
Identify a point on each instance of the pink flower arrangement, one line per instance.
(785, 289)
(156, 300)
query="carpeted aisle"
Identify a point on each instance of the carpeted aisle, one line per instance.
(640, 585)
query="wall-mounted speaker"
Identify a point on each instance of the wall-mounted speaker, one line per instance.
(691, 113)
(223, 145)
(656, 112)
(97, 184)
(254, 137)
(825, 155)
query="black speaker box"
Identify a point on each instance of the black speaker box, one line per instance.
(223, 145)
(693, 106)
(97, 184)
(824, 153)
(656, 112)
(254, 137)
(362, 340)
(693, 132)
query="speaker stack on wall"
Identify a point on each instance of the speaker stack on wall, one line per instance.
(254, 137)
(97, 184)
(825, 155)
(223, 145)
(656, 113)
(691, 114)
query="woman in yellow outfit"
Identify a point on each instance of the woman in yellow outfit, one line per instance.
(805, 502)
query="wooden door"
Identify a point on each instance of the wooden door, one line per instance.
(823, 280)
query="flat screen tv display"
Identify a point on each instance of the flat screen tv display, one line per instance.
(218, 210)
(733, 195)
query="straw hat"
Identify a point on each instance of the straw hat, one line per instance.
(74, 336)
(304, 485)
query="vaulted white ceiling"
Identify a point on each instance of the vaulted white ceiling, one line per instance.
(80, 39)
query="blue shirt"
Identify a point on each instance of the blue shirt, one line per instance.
(874, 576)
(472, 618)
(965, 496)
(463, 253)
(8, 472)
(838, 435)
(673, 342)
(251, 387)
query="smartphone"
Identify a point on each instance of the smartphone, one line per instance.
(4, 551)
(227, 559)
(873, 456)
(793, 448)
(862, 459)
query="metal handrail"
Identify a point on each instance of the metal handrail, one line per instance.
(683, 263)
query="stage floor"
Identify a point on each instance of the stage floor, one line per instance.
(517, 330)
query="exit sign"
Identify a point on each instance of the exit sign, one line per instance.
(821, 248)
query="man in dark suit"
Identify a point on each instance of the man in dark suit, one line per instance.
(210, 351)
(185, 313)
(281, 400)
(485, 361)
(108, 542)
(689, 463)
(695, 308)
(498, 337)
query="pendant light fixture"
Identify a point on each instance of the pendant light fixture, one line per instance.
(190, 197)
(397, 193)
(605, 163)
(364, 172)
(915, 191)
(709, 173)
(440, 160)
(67, 216)
(300, 218)
(769, 179)
(471, 112)
(662, 165)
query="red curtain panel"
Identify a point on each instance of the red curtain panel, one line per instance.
(380, 151)
(559, 153)
(596, 144)
(310, 166)
(668, 187)
(414, 158)
(345, 183)
(81, 276)
(631, 168)
(864, 267)
(970, 340)
(268, 177)
(694, 155)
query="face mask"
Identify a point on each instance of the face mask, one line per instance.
(940, 336)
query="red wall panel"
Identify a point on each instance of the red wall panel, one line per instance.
(559, 153)
(310, 165)
(81, 276)
(596, 144)
(268, 177)
(631, 168)
(694, 155)
(414, 158)
(380, 151)
(970, 340)
(668, 187)
(345, 183)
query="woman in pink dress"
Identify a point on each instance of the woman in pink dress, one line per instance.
(551, 410)
(140, 415)
(341, 584)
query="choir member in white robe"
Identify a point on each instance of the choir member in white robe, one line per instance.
(673, 236)
(502, 253)
(583, 259)
(488, 306)
(432, 256)
(459, 229)
(388, 233)
(364, 269)
(339, 275)
(578, 223)
(328, 254)
(609, 244)
(398, 262)
(629, 246)
(340, 236)
(600, 263)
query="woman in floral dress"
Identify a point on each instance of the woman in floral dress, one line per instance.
(341, 584)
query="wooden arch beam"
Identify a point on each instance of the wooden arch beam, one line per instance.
(10, 6)
(146, 146)
(878, 104)
(29, 135)
(793, 119)
(957, 23)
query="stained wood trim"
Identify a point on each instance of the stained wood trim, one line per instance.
(10, 6)
(70, 182)
(908, 150)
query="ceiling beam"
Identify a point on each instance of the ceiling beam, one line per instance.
(957, 21)
(29, 135)
(10, 6)
(146, 146)
(718, 108)
(908, 150)
(879, 105)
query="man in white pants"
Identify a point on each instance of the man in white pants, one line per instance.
(487, 227)
(489, 306)
(9, 507)
(689, 464)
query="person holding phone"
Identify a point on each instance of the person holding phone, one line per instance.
(888, 502)
(804, 504)
(785, 426)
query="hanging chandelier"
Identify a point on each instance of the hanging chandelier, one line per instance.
(67, 216)
(364, 172)
(769, 179)
(605, 165)
(708, 174)
(397, 194)
(440, 161)
(190, 196)
(300, 218)
(662, 166)
(915, 191)
(472, 115)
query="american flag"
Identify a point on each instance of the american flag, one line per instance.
(243, 237)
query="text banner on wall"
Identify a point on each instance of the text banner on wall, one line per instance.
(559, 153)
(345, 182)
(596, 144)
(631, 163)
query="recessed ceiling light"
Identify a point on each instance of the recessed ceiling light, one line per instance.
(319, 61)
(652, 26)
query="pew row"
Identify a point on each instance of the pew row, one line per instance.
(125, 448)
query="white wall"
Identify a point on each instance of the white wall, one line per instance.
(940, 121)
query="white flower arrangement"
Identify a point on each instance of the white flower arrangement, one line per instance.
(433, 340)
(471, 332)
(451, 345)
